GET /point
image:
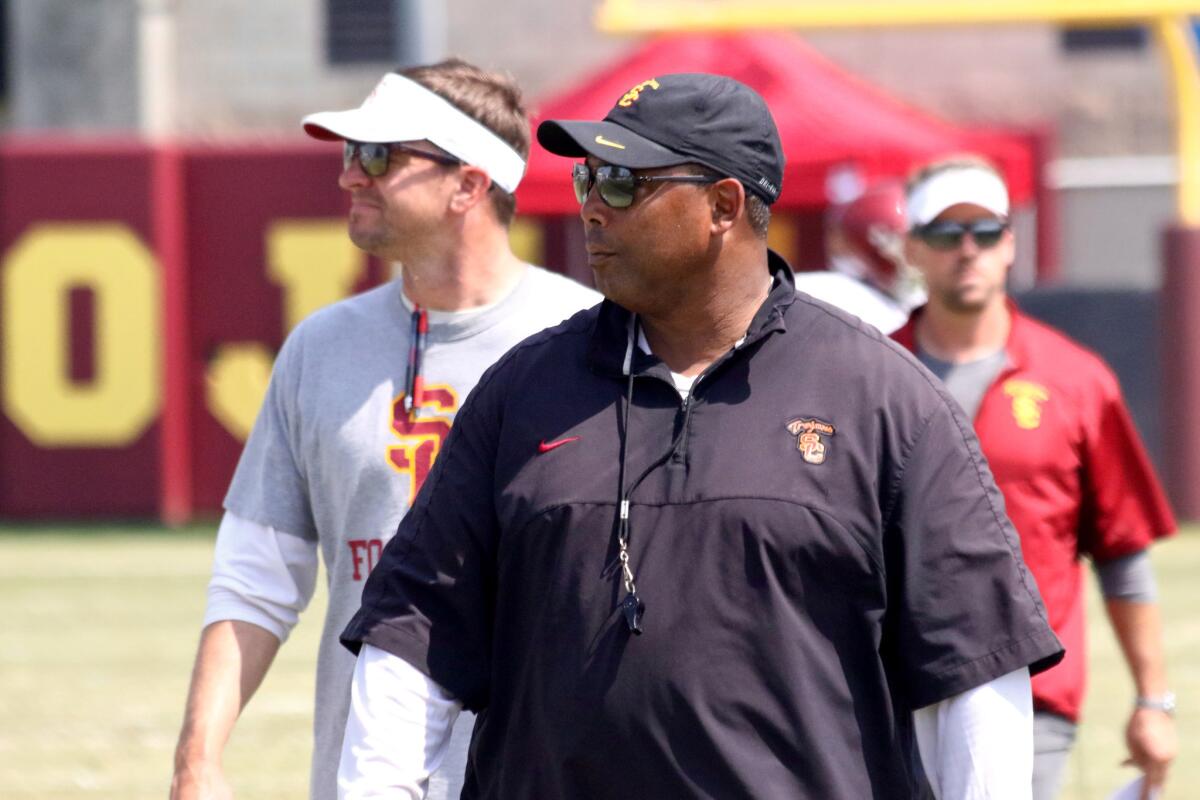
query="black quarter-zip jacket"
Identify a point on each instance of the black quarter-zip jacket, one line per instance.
(818, 542)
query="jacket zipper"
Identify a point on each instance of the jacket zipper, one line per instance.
(679, 450)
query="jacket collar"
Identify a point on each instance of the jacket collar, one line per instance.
(611, 343)
(1016, 346)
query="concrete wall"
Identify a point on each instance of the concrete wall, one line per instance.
(233, 76)
(1112, 214)
(254, 69)
(71, 65)
(258, 66)
(1109, 103)
(1112, 235)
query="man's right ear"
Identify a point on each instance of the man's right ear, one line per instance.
(472, 189)
(728, 203)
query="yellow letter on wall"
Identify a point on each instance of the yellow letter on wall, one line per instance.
(316, 264)
(40, 398)
(237, 381)
(314, 261)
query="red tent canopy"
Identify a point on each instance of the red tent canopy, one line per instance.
(827, 118)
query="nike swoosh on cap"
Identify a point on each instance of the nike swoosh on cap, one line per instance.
(609, 142)
(546, 447)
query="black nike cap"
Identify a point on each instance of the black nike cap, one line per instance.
(685, 118)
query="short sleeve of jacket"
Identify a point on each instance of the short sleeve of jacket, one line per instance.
(269, 486)
(430, 598)
(1124, 507)
(963, 608)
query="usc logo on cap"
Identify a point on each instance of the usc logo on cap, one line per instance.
(632, 95)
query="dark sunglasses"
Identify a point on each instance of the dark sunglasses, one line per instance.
(949, 235)
(616, 185)
(376, 157)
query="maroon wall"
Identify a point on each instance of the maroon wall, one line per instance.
(51, 465)
(236, 212)
(234, 199)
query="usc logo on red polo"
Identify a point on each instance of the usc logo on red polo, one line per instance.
(1027, 400)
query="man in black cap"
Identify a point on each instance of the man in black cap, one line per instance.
(710, 539)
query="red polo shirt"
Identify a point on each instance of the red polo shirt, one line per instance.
(1075, 478)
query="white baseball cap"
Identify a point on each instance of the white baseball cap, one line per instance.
(977, 186)
(402, 110)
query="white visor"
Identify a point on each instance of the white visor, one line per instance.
(966, 185)
(400, 110)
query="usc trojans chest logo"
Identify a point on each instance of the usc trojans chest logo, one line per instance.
(808, 433)
(1027, 399)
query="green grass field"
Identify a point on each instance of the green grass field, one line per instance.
(100, 624)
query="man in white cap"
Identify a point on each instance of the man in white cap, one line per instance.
(364, 392)
(1050, 419)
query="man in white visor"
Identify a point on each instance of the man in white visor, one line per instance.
(363, 396)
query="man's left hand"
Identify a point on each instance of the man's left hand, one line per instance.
(1152, 742)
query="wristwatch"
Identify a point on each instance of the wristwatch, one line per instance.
(1164, 703)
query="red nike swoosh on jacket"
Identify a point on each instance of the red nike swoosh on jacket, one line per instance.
(546, 447)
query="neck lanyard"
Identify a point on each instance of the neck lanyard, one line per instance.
(413, 383)
(632, 607)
